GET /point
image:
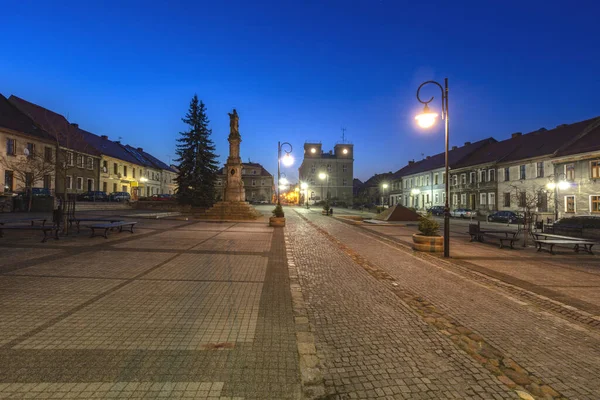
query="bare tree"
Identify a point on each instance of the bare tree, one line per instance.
(530, 199)
(28, 169)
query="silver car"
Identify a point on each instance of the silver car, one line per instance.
(462, 213)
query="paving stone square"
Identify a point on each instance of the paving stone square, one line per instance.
(235, 245)
(14, 255)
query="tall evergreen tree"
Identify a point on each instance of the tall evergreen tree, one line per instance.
(198, 166)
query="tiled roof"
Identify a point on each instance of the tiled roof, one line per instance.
(56, 125)
(263, 171)
(14, 119)
(378, 178)
(588, 142)
(159, 164)
(107, 147)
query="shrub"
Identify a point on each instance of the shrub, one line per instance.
(428, 226)
(326, 206)
(278, 211)
(586, 222)
(379, 209)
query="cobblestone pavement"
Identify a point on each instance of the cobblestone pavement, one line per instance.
(354, 317)
(177, 310)
(371, 344)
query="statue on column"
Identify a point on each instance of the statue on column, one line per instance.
(234, 123)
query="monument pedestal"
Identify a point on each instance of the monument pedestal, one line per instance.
(233, 210)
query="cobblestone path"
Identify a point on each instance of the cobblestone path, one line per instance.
(177, 310)
(371, 344)
(367, 334)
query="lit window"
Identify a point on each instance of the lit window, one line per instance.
(595, 204)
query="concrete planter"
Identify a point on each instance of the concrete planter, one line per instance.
(323, 212)
(277, 221)
(430, 244)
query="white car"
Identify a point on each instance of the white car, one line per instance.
(462, 213)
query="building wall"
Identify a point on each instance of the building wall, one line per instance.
(20, 144)
(257, 187)
(168, 182)
(584, 185)
(120, 178)
(337, 164)
(475, 188)
(80, 172)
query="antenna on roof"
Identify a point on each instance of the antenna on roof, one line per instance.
(422, 155)
(343, 134)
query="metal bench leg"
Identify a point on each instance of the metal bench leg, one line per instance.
(576, 248)
(93, 232)
(45, 236)
(131, 230)
(106, 233)
(551, 247)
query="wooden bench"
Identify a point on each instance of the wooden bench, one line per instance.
(509, 236)
(109, 226)
(80, 220)
(587, 244)
(45, 229)
(32, 220)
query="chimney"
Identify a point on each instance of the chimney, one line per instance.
(140, 149)
(118, 142)
(454, 147)
(516, 134)
(561, 125)
(467, 143)
(428, 157)
(411, 162)
(104, 137)
(75, 125)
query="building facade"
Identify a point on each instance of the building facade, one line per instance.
(336, 169)
(258, 183)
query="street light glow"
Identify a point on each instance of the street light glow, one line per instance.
(313, 150)
(283, 181)
(304, 185)
(322, 175)
(415, 192)
(345, 151)
(551, 185)
(287, 160)
(563, 185)
(426, 120)
(385, 185)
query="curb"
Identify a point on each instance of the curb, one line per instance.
(311, 377)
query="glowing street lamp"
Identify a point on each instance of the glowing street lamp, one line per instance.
(304, 186)
(384, 186)
(562, 184)
(287, 161)
(426, 120)
(323, 176)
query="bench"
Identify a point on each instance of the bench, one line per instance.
(45, 229)
(587, 244)
(503, 236)
(109, 226)
(79, 220)
(32, 220)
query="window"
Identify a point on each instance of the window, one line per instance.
(463, 199)
(344, 182)
(30, 149)
(570, 172)
(482, 175)
(522, 199)
(540, 169)
(312, 168)
(79, 183)
(595, 169)
(482, 199)
(463, 180)
(105, 187)
(90, 163)
(506, 199)
(218, 183)
(472, 177)
(104, 166)
(344, 168)
(455, 199)
(427, 196)
(262, 182)
(47, 181)
(454, 180)
(253, 182)
(48, 154)
(491, 175)
(133, 172)
(444, 197)
(435, 179)
(10, 147)
(70, 158)
(125, 171)
(506, 174)
(542, 201)
(79, 161)
(328, 167)
(124, 188)
(437, 198)
(595, 204)
(444, 178)
(90, 185)
(115, 169)
(253, 172)
(570, 204)
(8, 181)
(69, 182)
(491, 199)
(522, 172)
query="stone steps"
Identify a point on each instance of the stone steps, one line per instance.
(232, 210)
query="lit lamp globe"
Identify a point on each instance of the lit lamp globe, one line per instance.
(283, 181)
(385, 185)
(287, 160)
(427, 118)
(563, 185)
(551, 185)
(304, 186)
(322, 175)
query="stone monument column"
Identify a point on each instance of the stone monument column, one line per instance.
(234, 189)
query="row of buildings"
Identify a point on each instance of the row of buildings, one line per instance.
(553, 172)
(41, 148)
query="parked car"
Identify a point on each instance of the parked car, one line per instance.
(120, 196)
(162, 197)
(507, 217)
(93, 196)
(436, 210)
(462, 213)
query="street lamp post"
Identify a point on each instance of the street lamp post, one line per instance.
(556, 184)
(426, 120)
(304, 186)
(384, 186)
(287, 161)
(322, 177)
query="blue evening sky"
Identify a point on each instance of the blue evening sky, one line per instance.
(300, 70)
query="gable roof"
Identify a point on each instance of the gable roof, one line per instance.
(588, 141)
(14, 119)
(107, 147)
(263, 171)
(56, 125)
